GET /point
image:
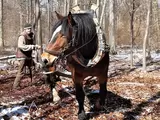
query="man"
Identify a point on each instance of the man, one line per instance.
(24, 51)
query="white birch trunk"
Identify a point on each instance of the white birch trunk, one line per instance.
(65, 8)
(146, 36)
(102, 13)
(112, 27)
(97, 12)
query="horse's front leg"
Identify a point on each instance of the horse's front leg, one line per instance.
(80, 96)
(50, 80)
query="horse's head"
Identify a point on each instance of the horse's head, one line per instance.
(62, 34)
(76, 34)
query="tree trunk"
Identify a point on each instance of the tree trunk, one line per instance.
(30, 11)
(159, 3)
(112, 27)
(21, 21)
(65, 8)
(74, 2)
(48, 18)
(149, 34)
(132, 29)
(146, 35)
(27, 8)
(98, 9)
(158, 23)
(39, 31)
(68, 6)
(1, 24)
(102, 13)
(39, 37)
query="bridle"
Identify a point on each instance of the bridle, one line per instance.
(71, 48)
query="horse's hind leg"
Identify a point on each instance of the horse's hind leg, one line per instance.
(103, 91)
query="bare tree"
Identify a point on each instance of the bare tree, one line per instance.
(98, 9)
(39, 31)
(146, 34)
(112, 26)
(68, 5)
(1, 24)
(132, 29)
(49, 12)
(27, 9)
(30, 11)
(65, 7)
(132, 7)
(158, 19)
(102, 13)
(75, 2)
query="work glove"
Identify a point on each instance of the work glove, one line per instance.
(37, 46)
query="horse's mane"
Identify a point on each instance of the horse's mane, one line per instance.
(86, 33)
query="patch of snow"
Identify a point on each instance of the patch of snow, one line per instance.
(3, 65)
(14, 112)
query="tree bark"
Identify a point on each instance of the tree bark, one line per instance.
(48, 6)
(158, 23)
(112, 27)
(146, 35)
(27, 9)
(68, 6)
(102, 13)
(98, 9)
(65, 7)
(39, 30)
(132, 30)
(39, 37)
(1, 24)
(30, 11)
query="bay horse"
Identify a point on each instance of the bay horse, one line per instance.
(75, 39)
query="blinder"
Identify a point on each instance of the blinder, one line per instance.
(74, 41)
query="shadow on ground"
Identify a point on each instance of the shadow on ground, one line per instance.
(131, 115)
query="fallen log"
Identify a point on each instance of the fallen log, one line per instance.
(7, 57)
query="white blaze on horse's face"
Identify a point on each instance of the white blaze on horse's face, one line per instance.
(55, 32)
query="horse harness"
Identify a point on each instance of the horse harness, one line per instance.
(103, 47)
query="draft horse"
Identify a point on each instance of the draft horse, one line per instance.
(75, 39)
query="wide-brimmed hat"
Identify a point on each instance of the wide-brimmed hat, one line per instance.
(27, 26)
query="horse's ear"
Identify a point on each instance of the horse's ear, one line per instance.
(71, 21)
(58, 15)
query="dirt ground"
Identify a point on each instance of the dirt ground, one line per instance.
(132, 95)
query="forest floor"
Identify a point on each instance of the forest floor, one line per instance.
(132, 95)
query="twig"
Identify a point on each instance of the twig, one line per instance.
(33, 105)
(60, 118)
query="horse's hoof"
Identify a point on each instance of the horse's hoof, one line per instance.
(82, 116)
(98, 106)
(56, 97)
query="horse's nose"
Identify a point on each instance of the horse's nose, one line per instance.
(45, 61)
